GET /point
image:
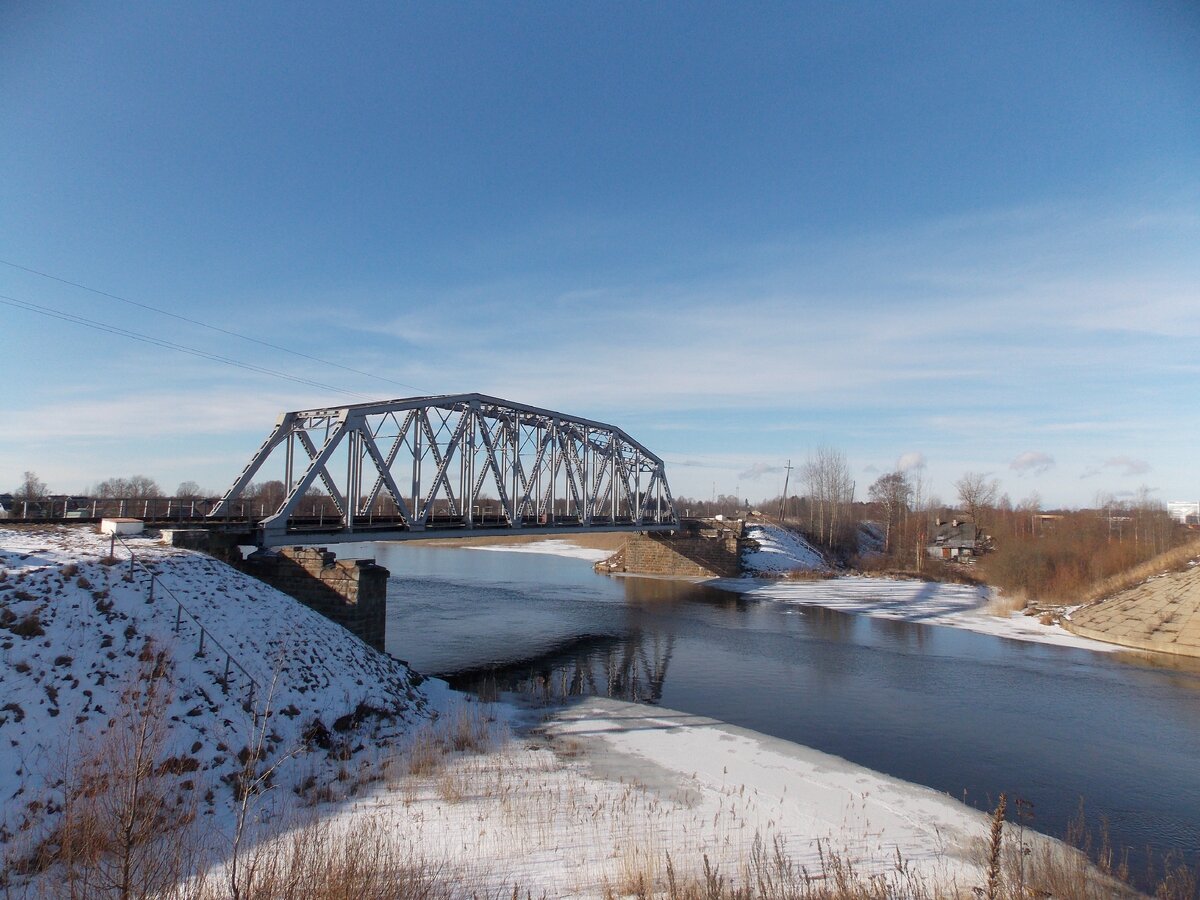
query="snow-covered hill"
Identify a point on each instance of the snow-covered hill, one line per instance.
(75, 635)
(779, 551)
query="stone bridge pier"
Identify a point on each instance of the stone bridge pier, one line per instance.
(352, 593)
(700, 548)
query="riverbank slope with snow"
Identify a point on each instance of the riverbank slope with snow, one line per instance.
(80, 640)
(588, 803)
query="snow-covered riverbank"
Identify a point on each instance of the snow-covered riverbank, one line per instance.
(588, 801)
(619, 786)
(80, 633)
(907, 600)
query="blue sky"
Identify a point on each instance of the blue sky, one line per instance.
(955, 236)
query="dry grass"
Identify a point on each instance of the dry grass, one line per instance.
(467, 728)
(1173, 560)
(1015, 865)
(1083, 560)
(769, 873)
(809, 575)
(1019, 599)
(368, 855)
(319, 861)
(1005, 603)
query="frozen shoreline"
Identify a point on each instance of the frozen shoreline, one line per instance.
(779, 788)
(920, 602)
(613, 787)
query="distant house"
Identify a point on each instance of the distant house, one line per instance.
(955, 539)
(6, 505)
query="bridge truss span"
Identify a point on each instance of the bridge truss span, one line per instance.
(436, 466)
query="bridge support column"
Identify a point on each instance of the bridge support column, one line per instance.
(352, 593)
(698, 549)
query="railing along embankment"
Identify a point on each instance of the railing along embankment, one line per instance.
(185, 618)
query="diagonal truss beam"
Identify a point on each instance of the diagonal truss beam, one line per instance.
(456, 462)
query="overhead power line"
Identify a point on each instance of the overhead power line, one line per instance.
(210, 327)
(169, 345)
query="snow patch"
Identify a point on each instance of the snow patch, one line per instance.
(927, 603)
(779, 551)
(550, 548)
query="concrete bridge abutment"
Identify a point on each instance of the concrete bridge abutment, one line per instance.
(700, 548)
(352, 593)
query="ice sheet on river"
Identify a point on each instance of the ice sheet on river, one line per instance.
(551, 548)
(927, 603)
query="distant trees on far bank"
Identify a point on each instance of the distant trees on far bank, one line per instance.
(1060, 556)
(135, 487)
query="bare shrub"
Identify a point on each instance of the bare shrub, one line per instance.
(320, 861)
(470, 728)
(124, 829)
(425, 752)
(1080, 561)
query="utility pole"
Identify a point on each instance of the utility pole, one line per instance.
(783, 500)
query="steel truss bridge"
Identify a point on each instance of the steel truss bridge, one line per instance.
(452, 465)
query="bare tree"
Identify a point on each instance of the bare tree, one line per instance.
(32, 488)
(976, 492)
(893, 493)
(251, 783)
(830, 491)
(267, 495)
(188, 490)
(136, 487)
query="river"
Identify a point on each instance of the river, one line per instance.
(968, 714)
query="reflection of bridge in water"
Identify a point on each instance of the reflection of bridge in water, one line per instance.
(421, 467)
(630, 667)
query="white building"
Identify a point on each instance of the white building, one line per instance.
(1184, 511)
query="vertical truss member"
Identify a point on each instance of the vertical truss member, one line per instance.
(425, 466)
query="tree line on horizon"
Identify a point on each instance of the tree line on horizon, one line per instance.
(1040, 554)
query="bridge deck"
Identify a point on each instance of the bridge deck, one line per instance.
(323, 531)
(329, 536)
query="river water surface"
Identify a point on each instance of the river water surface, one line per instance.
(968, 714)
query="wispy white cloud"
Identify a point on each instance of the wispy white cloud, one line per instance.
(142, 414)
(1032, 462)
(1127, 465)
(1006, 322)
(758, 470)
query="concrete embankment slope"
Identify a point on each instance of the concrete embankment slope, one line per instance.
(1161, 614)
